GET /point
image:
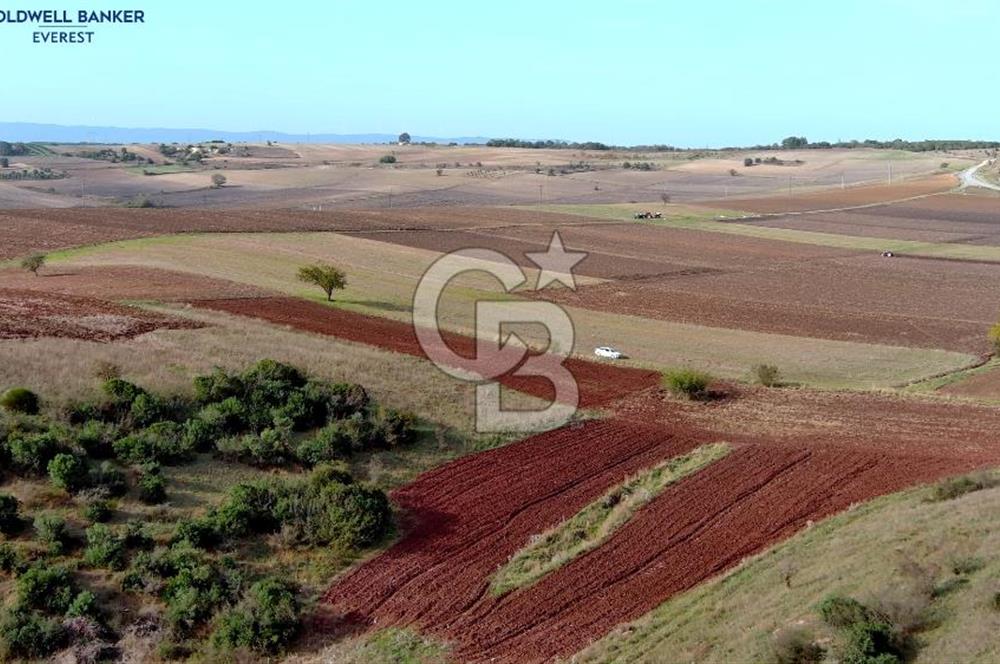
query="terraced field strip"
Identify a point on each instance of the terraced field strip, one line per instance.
(468, 518)
(875, 244)
(596, 522)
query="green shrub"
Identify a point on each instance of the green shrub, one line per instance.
(393, 428)
(162, 442)
(346, 399)
(387, 159)
(217, 386)
(870, 643)
(152, 487)
(146, 410)
(46, 588)
(10, 519)
(194, 586)
(200, 533)
(19, 400)
(51, 531)
(29, 635)
(268, 448)
(265, 621)
(688, 382)
(30, 453)
(767, 375)
(136, 537)
(248, 508)
(838, 611)
(109, 479)
(122, 391)
(96, 437)
(105, 547)
(994, 337)
(323, 512)
(954, 487)
(11, 560)
(97, 511)
(328, 444)
(84, 605)
(68, 472)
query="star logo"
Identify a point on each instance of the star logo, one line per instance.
(556, 264)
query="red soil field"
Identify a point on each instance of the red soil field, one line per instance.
(31, 314)
(831, 199)
(985, 385)
(467, 518)
(598, 383)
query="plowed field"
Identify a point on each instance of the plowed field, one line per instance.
(31, 314)
(469, 517)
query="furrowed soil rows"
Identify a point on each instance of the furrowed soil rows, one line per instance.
(598, 383)
(471, 516)
(31, 314)
(828, 199)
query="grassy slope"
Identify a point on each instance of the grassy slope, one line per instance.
(732, 618)
(707, 222)
(271, 260)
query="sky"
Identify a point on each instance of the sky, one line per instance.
(690, 73)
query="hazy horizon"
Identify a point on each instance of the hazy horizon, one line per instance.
(706, 75)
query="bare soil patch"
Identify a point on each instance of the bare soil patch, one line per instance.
(831, 199)
(31, 314)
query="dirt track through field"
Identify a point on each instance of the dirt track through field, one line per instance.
(598, 383)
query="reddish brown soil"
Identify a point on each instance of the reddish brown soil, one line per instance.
(26, 231)
(829, 199)
(598, 383)
(468, 518)
(985, 385)
(947, 218)
(28, 314)
(125, 282)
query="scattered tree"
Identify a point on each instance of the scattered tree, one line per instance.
(4, 162)
(327, 277)
(20, 400)
(33, 263)
(767, 375)
(218, 179)
(387, 159)
(688, 382)
(994, 336)
(404, 138)
(748, 162)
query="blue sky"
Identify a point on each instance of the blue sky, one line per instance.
(687, 72)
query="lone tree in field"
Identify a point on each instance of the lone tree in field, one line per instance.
(327, 277)
(33, 263)
(218, 180)
(404, 138)
(994, 337)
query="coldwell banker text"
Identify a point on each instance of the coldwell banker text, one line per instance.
(60, 26)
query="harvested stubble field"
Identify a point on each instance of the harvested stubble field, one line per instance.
(30, 314)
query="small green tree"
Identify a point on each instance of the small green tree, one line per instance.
(387, 159)
(327, 277)
(994, 336)
(33, 263)
(218, 179)
(20, 400)
(404, 138)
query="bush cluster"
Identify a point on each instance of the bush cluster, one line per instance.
(867, 635)
(688, 383)
(32, 627)
(19, 400)
(266, 620)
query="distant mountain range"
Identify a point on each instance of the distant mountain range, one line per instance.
(25, 132)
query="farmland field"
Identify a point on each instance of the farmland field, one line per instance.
(880, 374)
